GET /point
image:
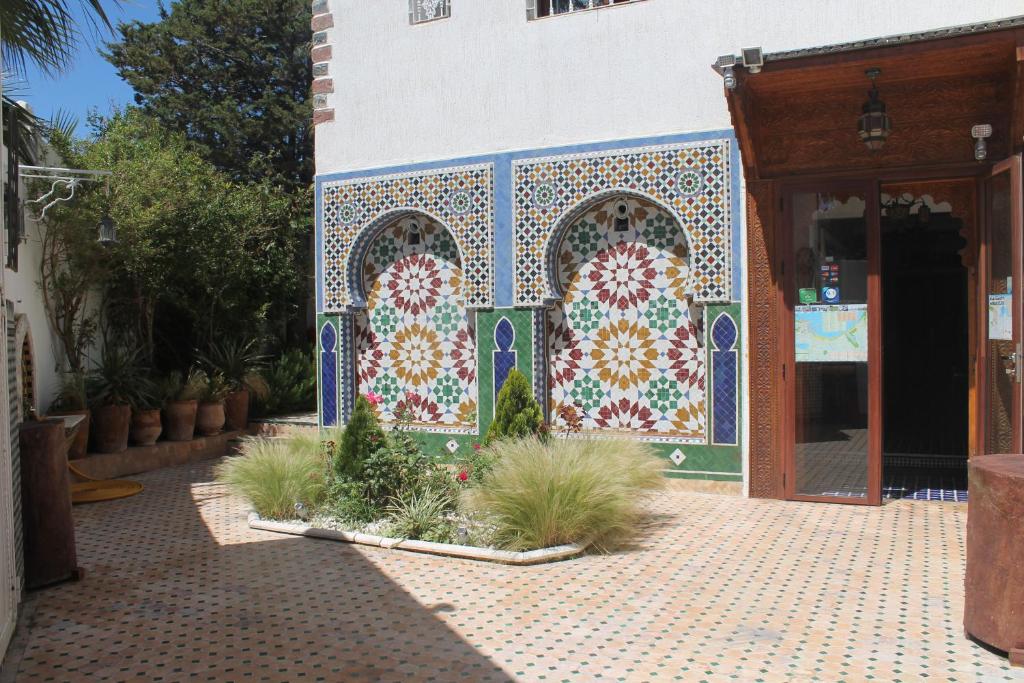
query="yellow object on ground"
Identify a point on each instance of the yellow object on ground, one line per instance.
(98, 490)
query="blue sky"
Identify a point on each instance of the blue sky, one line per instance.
(91, 83)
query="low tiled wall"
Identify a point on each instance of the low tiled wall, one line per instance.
(138, 459)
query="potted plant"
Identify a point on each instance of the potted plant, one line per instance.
(146, 423)
(239, 364)
(116, 383)
(72, 400)
(181, 398)
(210, 418)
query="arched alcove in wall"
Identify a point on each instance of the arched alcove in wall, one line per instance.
(26, 365)
(415, 340)
(624, 340)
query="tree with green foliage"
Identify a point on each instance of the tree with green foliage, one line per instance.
(199, 257)
(233, 77)
(517, 414)
(362, 437)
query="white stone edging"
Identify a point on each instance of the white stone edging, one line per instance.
(553, 554)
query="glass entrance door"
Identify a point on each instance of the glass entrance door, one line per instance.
(832, 371)
(1002, 325)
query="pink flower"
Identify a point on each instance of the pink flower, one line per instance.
(463, 475)
(476, 447)
(374, 399)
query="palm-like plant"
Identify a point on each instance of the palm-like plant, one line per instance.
(238, 362)
(44, 32)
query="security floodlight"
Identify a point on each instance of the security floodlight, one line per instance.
(753, 59)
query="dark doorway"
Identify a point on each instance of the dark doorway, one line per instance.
(926, 351)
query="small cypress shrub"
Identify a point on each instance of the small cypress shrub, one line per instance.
(517, 414)
(362, 437)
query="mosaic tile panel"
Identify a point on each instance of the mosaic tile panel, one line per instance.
(624, 344)
(692, 179)
(328, 375)
(724, 376)
(353, 210)
(416, 342)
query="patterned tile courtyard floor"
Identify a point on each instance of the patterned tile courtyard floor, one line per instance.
(718, 588)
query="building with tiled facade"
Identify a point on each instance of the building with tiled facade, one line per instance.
(554, 186)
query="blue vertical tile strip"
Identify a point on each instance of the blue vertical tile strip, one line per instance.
(504, 355)
(348, 381)
(725, 391)
(540, 350)
(328, 375)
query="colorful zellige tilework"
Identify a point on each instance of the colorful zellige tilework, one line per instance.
(459, 197)
(415, 342)
(692, 179)
(622, 345)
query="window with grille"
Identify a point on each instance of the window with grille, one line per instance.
(422, 11)
(535, 9)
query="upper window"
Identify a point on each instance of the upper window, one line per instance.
(421, 11)
(536, 9)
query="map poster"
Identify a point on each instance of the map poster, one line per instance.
(832, 334)
(1000, 316)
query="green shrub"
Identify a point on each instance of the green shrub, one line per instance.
(421, 515)
(362, 437)
(547, 493)
(288, 385)
(517, 414)
(275, 475)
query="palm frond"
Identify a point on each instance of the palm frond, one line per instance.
(44, 32)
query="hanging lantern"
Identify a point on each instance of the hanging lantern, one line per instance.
(874, 124)
(108, 231)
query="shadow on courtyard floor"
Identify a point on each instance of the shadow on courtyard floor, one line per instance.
(178, 587)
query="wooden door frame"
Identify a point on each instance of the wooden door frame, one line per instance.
(869, 188)
(1012, 165)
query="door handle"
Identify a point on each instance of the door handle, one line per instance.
(1012, 364)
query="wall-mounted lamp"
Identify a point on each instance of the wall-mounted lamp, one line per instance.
(726, 65)
(874, 124)
(753, 59)
(980, 133)
(412, 237)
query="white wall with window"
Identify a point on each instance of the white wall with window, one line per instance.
(487, 78)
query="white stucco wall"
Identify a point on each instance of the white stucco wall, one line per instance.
(22, 289)
(488, 80)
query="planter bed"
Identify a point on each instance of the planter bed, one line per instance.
(554, 554)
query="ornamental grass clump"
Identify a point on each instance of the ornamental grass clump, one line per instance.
(548, 493)
(275, 475)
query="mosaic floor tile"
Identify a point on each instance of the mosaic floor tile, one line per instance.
(716, 588)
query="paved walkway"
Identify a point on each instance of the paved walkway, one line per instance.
(719, 588)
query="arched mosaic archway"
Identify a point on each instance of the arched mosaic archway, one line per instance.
(415, 340)
(624, 342)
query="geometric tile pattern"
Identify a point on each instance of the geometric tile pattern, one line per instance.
(724, 375)
(719, 588)
(624, 345)
(691, 179)
(328, 375)
(504, 354)
(352, 211)
(415, 341)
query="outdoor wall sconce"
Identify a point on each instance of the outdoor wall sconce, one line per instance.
(874, 124)
(980, 132)
(413, 236)
(621, 217)
(108, 231)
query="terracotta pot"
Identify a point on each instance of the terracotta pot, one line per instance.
(210, 419)
(79, 447)
(180, 420)
(236, 410)
(110, 426)
(146, 427)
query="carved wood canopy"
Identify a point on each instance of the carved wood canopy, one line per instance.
(799, 116)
